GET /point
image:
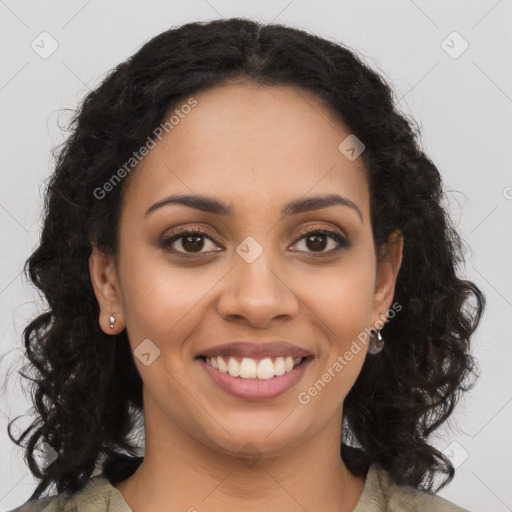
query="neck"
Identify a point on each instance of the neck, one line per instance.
(181, 473)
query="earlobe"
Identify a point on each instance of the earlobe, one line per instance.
(104, 281)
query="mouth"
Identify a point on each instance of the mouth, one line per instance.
(253, 378)
(261, 368)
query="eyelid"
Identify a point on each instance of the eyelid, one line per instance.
(321, 228)
(190, 229)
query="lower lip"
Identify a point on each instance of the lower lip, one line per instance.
(256, 388)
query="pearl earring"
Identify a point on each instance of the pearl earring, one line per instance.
(376, 345)
(112, 320)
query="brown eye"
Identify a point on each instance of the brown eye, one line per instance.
(317, 241)
(193, 243)
(186, 241)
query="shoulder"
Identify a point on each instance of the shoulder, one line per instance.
(98, 495)
(48, 504)
(382, 493)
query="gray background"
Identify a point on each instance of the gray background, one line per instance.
(462, 104)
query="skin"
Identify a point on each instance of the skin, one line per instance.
(257, 148)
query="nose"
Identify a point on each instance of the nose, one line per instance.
(256, 293)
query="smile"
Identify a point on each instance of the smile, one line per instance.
(250, 368)
(255, 378)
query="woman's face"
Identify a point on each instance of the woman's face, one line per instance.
(250, 276)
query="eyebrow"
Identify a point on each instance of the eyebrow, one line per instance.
(211, 205)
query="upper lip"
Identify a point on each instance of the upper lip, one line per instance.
(258, 349)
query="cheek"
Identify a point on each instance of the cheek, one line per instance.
(162, 301)
(343, 303)
(343, 297)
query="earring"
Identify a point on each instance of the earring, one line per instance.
(112, 320)
(376, 345)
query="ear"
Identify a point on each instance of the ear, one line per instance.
(104, 281)
(388, 266)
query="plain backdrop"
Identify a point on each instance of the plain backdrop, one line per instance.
(461, 98)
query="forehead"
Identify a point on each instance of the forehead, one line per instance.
(244, 142)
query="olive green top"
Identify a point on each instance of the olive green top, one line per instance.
(380, 494)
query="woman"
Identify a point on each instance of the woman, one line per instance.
(245, 244)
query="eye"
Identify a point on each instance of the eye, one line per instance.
(192, 241)
(189, 241)
(317, 240)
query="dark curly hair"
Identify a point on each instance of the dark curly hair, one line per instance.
(87, 391)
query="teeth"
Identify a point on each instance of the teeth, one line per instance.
(279, 366)
(265, 369)
(248, 368)
(251, 369)
(234, 368)
(223, 367)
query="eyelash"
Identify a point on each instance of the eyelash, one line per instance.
(343, 242)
